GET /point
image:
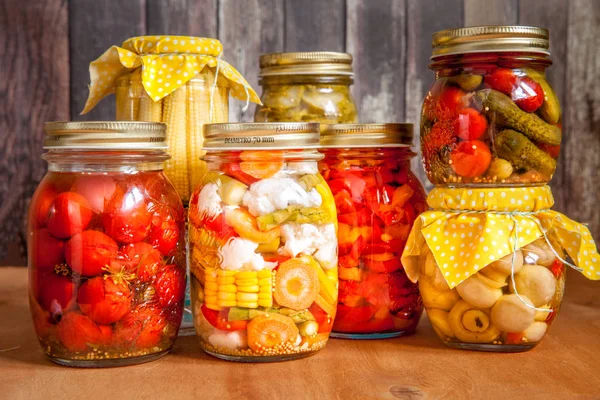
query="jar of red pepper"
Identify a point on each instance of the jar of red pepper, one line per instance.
(106, 246)
(367, 167)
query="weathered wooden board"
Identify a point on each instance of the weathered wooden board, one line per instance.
(248, 30)
(581, 156)
(94, 27)
(312, 25)
(34, 38)
(182, 17)
(491, 12)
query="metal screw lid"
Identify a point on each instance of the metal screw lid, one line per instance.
(261, 136)
(478, 39)
(306, 63)
(366, 135)
(105, 135)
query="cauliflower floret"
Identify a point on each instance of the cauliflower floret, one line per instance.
(209, 201)
(269, 195)
(235, 340)
(239, 253)
(318, 241)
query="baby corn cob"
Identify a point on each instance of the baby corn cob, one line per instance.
(247, 286)
(128, 94)
(176, 167)
(211, 290)
(265, 292)
(198, 102)
(226, 296)
(204, 237)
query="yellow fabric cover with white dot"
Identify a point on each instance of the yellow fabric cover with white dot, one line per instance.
(468, 229)
(168, 62)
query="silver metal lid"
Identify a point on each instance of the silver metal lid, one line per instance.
(366, 135)
(261, 136)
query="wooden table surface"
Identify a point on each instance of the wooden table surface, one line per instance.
(566, 365)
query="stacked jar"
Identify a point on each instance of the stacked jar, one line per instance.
(179, 80)
(106, 246)
(367, 167)
(490, 257)
(306, 87)
(263, 244)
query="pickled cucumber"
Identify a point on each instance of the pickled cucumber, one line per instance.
(550, 108)
(283, 97)
(466, 81)
(499, 106)
(523, 153)
(305, 215)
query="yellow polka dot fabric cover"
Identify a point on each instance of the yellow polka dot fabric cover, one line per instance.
(167, 63)
(468, 229)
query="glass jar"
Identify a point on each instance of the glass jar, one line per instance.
(490, 118)
(184, 111)
(485, 312)
(367, 167)
(106, 246)
(306, 87)
(263, 244)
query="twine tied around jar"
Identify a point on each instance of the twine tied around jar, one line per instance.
(468, 229)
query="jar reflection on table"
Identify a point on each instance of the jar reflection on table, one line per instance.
(263, 244)
(106, 246)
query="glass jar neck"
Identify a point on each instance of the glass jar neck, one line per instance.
(500, 59)
(377, 153)
(123, 161)
(306, 79)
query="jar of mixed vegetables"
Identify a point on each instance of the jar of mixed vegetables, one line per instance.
(263, 244)
(306, 87)
(491, 117)
(106, 246)
(367, 167)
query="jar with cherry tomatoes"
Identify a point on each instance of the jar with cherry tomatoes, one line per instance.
(106, 246)
(491, 118)
(263, 244)
(367, 167)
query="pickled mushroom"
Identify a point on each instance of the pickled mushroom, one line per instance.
(537, 283)
(476, 292)
(501, 269)
(539, 253)
(511, 314)
(535, 332)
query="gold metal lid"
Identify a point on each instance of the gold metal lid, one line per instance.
(261, 136)
(366, 135)
(105, 135)
(306, 63)
(478, 39)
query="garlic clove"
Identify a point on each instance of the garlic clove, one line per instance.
(476, 292)
(537, 283)
(510, 314)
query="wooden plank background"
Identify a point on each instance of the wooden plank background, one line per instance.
(48, 44)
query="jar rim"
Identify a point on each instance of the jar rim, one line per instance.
(373, 135)
(105, 135)
(260, 136)
(490, 38)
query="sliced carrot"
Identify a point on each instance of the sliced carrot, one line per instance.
(296, 285)
(261, 164)
(269, 330)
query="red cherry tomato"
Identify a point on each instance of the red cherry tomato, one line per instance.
(470, 124)
(55, 293)
(103, 300)
(349, 318)
(143, 259)
(501, 79)
(97, 189)
(164, 235)
(142, 328)
(471, 158)
(69, 214)
(451, 99)
(220, 321)
(554, 151)
(43, 200)
(127, 218)
(528, 94)
(47, 250)
(89, 252)
(170, 285)
(382, 265)
(350, 293)
(76, 332)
